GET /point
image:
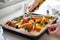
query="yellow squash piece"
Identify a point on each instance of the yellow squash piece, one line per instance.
(31, 21)
(39, 26)
(19, 23)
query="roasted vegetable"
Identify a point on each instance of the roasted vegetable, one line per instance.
(37, 20)
(28, 25)
(9, 23)
(27, 29)
(37, 29)
(45, 23)
(16, 19)
(17, 26)
(20, 22)
(43, 20)
(39, 26)
(31, 21)
(14, 22)
(26, 20)
(20, 26)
